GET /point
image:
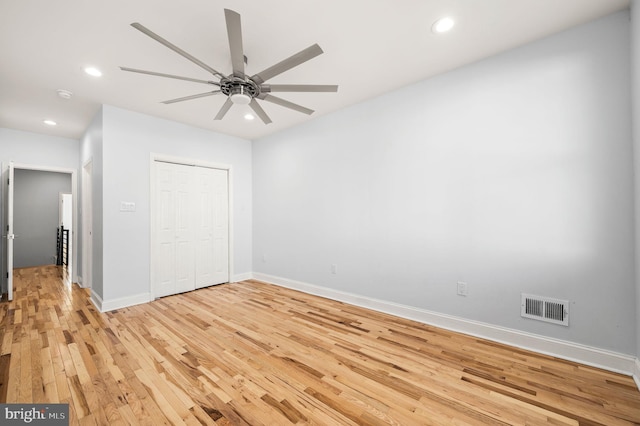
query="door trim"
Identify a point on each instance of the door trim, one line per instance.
(163, 158)
(87, 225)
(10, 235)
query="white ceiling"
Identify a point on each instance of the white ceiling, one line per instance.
(370, 47)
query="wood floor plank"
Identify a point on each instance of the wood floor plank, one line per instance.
(249, 353)
(5, 364)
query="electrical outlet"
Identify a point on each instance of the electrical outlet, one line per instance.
(264, 258)
(463, 289)
(334, 268)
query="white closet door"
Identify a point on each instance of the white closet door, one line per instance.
(212, 252)
(221, 226)
(184, 235)
(192, 228)
(165, 254)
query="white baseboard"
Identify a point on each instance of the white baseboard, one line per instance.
(110, 305)
(241, 277)
(96, 300)
(595, 357)
(123, 302)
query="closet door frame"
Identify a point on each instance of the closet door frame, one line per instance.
(155, 157)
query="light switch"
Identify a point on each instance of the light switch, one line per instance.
(127, 206)
(462, 288)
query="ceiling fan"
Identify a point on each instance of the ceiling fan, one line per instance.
(240, 88)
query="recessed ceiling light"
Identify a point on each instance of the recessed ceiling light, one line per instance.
(50, 122)
(442, 25)
(249, 117)
(93, 71)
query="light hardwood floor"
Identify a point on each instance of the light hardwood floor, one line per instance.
(252, 353)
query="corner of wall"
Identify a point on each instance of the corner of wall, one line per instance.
(124, 302)
(96, 300)
(241, 277)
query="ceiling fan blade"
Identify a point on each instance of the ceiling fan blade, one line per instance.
(177, 77)
(175, 48)
(224, 109)
(234, 31)
(285, 103)
(188, 98)
(298, 88)
(259, 111)
(292, 61)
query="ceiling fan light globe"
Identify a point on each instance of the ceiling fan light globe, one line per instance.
(240, 99)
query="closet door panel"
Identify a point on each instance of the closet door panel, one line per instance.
(220, 179)
(204, 219)
(184, 235)
(212, 259)
(165, 229)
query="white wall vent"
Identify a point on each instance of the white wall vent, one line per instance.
(545, 309)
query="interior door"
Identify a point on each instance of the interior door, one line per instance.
(204, 227)
(10, 235)
(175, 229)
(65, 206)
(212, 227)
(165, 219)
(184, 226)
(220, 179)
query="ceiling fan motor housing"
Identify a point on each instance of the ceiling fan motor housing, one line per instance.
(239, 91)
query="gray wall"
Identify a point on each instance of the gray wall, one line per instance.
(513, 174)
(37, 215)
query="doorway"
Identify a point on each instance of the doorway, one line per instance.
(25, 246)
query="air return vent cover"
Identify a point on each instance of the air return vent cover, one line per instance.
(545, 309)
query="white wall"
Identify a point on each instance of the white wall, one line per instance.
(33, 149)
(128, 140)
(38, 149)
(513, 174)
